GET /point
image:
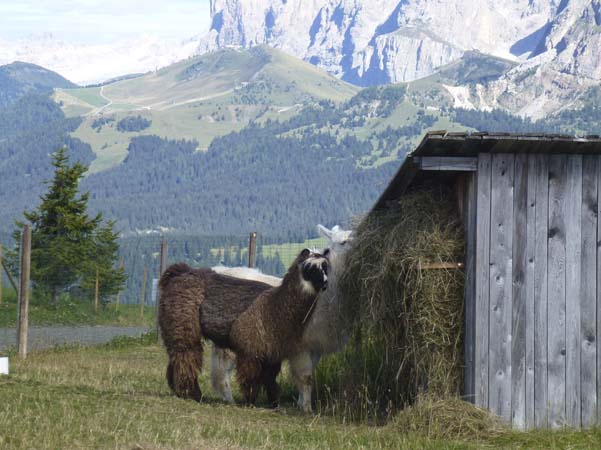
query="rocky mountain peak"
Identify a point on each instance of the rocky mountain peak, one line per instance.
(389, 41)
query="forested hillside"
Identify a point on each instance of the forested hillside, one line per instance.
(323, 162)
(18, 79)
(30, 130)
(327, 163)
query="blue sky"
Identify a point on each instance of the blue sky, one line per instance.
(102, 21)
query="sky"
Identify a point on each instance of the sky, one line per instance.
(102, 21)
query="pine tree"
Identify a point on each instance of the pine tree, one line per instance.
(68, 245)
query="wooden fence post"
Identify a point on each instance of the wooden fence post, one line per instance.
(143, 298)
(23, 324)
(119, 292)
(96, 292)
(0, 274)
(252, 250)
(162, 268)
(10, 277)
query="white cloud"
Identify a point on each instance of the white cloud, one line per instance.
(96, 21)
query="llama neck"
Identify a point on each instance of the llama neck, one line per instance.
(294, 301)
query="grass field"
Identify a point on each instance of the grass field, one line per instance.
(69, 312)
(287, 251)
(115, 396)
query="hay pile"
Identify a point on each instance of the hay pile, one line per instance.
(406, 323)
(448, 419)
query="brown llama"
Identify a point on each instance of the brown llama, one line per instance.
(271, 329)
(197, 304)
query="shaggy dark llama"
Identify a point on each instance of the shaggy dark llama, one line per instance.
(198, 304)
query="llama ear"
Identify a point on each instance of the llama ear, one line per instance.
(324, 231)
(305, 253)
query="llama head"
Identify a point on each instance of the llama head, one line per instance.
(313, 268)
(338, 239)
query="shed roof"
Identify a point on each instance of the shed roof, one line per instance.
(443, 143)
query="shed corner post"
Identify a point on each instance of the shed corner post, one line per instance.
(469, 217)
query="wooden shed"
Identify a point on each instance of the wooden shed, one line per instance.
(530, 207)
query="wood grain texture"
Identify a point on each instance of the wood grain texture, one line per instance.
(588, 290)
(541, 292)
(573, 272)
(448, 163)
(556, 338)
(531, 204)
(501, 266)
(482, 280)
(470, 202)
(519, 293)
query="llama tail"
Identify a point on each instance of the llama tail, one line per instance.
(182, 373)
(181, 293)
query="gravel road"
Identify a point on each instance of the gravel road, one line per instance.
(45, 337)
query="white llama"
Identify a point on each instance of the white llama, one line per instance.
(323, 333)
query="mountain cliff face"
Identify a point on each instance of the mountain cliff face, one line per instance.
(556, 43)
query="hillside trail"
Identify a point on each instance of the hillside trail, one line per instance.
(99, 110)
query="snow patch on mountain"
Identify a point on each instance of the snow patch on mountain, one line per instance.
(86, 64)
(461, 96)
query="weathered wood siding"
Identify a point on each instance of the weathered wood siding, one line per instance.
(535, 298)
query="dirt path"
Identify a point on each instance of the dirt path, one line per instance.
(46, 337)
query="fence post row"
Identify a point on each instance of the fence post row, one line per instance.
(97, 292)
(143, 298)
(23, 323)
(162, 268)
(252, 250)
(10, 277)
(118, 300)
(1, 273)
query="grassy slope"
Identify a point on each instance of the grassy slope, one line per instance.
(201, 98)
(214, 94)
(115, 396)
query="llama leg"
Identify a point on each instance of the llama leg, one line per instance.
(301, 367)
(170, 380)
(222, 364)
(248, 372)
(185, 367)
(269, 375)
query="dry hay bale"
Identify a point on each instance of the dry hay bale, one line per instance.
(406, 323)
(447, 419)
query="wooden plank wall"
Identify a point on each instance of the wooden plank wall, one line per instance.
(536, 282)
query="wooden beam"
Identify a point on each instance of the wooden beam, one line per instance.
(23, 324)
(10, 277)
(118, 300)
(0, 275)
(469, 224)
(252, 250)
(483, 269)
(447, 163)
(162, 268)
(440, 265)
(97, 292)
(143, 296)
